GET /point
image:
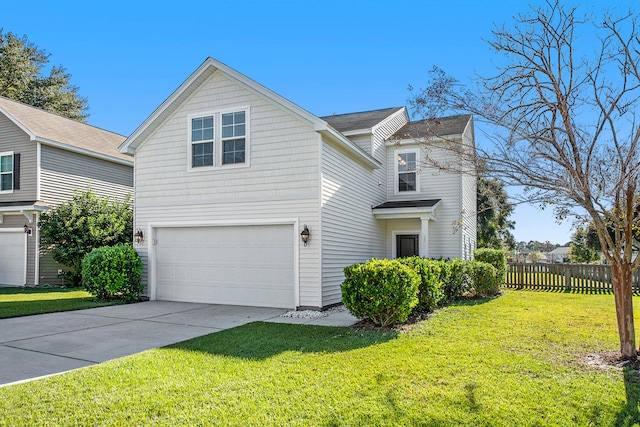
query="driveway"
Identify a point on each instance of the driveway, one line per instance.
(36, 346)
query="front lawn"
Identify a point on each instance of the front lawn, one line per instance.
(511, 361)
(16, 302)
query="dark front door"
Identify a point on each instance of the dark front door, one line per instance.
(406, 245)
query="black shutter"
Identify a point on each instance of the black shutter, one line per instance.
(16, 171)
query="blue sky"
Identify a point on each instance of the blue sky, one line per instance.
(326, 56)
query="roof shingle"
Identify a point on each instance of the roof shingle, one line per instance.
(356, 121)
(49, 126)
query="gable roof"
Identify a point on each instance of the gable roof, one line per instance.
(452, 125)
(206, 70)
(52, 129)
(356, 121)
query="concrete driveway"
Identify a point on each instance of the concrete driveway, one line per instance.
(45, 344)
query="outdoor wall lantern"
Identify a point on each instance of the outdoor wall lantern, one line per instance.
(139, 236)
(305, 235)
(27, 230)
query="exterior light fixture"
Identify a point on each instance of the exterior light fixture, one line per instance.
(26, 229)
(305, 235)
(139, 236)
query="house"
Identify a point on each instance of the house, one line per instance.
(243, 197)
(558, 255)
(43, 159)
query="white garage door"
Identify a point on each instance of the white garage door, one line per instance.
(239, 265)
(13, 263)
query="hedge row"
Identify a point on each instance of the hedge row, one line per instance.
(385, 291)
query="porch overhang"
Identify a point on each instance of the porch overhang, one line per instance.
(17, 208)
(423, 209)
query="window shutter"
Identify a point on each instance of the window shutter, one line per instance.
(16, 171)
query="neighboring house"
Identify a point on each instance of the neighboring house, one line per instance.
(229, 174)
(43, 159)
(559, 255)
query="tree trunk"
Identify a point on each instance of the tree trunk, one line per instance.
(623, 294)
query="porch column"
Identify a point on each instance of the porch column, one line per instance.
(423, 247)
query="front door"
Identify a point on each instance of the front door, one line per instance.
(406, 245)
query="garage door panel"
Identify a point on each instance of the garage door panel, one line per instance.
(13, 262)
(242, 265)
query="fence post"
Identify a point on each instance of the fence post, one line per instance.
(567, 278)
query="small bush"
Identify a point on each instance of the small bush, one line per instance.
(484, 278)
(496, 258)
(430, 291)
(381, 290)
(457, 279)
(113, 272)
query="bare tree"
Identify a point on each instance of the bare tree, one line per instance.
(562, 109)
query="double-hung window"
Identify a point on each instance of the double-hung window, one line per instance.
(6, 172)
(220, 138)
(407, 171)
(202, 138)
(233, 137)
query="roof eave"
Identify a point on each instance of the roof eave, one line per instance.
(131, 144)
(428, 212)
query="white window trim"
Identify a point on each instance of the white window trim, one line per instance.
(395, 171)
(217, 139)
(394, 235)
(190, 143)
(13, 170)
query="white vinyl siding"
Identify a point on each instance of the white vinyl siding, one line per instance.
(350, 233)
(166, 192)
(445, 237)
(62, 172)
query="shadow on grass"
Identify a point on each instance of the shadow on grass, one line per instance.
(261, 340)
(19, 290)
(629, 415)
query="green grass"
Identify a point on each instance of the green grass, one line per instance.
(509, 361)
(16, 302)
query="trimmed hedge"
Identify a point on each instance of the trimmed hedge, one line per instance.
(496, 258)
(432, 277)
(381, 290)
(387, 291)
(484, 278)
(113, 272)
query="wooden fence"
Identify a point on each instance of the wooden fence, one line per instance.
(579, 278)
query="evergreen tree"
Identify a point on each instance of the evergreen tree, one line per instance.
(22, 79)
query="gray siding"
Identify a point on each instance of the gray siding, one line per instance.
(12, 138)
(281, 182)
(63, 171)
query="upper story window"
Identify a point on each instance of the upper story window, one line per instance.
(6, 172)
(233, 137)
(407, 171)
(202, 141)
(219, 139)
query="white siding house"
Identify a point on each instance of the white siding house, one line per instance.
(228, 174)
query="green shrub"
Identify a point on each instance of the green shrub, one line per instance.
(113, 272)
(430, 290)
(496, 258)
(381, 290)
(484, 279)
(457, 279)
